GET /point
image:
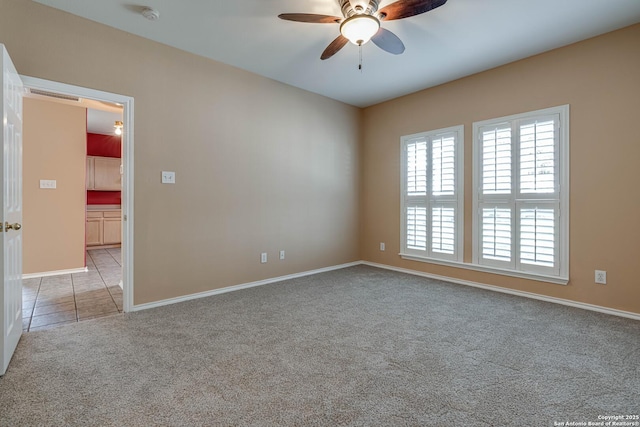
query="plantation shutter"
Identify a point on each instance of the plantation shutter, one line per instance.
(518, 194)
(443, 194)
(496, 160)
(417, 168)
(538, 236)
(416, 194)
(443, 170)
(417, 227)
(496, 233)
(443, 230)
(496, 218)
(431, 195)
(538, 194)
(538, 145)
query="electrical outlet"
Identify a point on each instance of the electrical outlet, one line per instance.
(168, 177)
(382, 246)
(601, 277)
(281, 254)
(263, 257)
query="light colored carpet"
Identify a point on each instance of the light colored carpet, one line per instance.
(359, 346)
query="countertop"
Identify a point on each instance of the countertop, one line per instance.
(103, 207)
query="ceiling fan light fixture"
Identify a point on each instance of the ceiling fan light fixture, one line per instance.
(359, 29)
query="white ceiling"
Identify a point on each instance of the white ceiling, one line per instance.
(101, 121)
(462, 37)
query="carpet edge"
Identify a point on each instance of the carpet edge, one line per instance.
(169, 301)
(531, 295)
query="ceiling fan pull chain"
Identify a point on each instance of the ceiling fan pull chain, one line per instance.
(360, 64)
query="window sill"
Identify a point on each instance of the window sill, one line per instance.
(485, 269)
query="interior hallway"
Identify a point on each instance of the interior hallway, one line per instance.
(56, 300)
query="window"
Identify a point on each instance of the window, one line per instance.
(432, 194)
(521, 185)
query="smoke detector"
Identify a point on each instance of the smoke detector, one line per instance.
(150, 14)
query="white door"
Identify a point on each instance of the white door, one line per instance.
(11, 182)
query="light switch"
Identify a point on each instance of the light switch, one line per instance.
(48, 183)
(168, 177)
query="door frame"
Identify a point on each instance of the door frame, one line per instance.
(127, 166)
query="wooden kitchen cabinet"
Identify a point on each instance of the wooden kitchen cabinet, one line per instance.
(94, 231)
(104, 228)
(103, 173)
(90, 173)
(112, 230)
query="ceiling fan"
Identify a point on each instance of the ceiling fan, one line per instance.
(361, 22)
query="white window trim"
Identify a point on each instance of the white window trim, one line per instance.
(489, 269)
(459, 176)
(563, 164)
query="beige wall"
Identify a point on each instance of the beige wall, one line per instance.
(599, 79)
(54, 147)
(260, 166)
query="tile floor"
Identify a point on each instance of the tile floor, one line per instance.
(52, 301)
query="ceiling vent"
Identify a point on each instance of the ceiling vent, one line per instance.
(54, 95)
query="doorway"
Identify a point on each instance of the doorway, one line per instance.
(105, 262)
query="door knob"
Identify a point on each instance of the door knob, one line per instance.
(17, 226)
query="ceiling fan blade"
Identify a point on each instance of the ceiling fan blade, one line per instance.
(310, 17)
(388, 41)
(334, 47)
(406, 8)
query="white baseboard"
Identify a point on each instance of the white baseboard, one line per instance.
(205, 294)
(55, 273)
(582, 305)
(570, 303)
